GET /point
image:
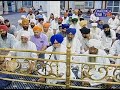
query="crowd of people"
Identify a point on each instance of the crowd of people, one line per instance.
(40, 33)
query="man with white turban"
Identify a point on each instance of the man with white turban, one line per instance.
(30, 15)
(94, 48)
(54, 25)
(113, 22)
(93, 18)
(57, 46)
(32, 23)
(95, 31)
(24, 44)
(1, 20)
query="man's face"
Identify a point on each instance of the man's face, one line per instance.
(94, 27)
(86, 35)
(24, 39)
(56, 44)
(70, 36)
(45, 29)
(113, 17)
(25, 26)
(59, 21)
(37, 33)
(93, 50)
(107, 29)
(2, 32)
(32, 24)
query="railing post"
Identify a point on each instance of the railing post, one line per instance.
(68, 66)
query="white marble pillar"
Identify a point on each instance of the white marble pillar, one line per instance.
(53, 7)
(1, 8)
(5, 7)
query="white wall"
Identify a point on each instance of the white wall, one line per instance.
(19, 4)
(98, 5)
(1, 8)
(53, 7)
(37, 4)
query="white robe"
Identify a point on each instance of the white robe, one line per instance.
(94, 18)
(113, 23)
(65, 21)
(61, 66)
(31, 16)
(20, 46)
(18, 37)
(107, 41)
(96, 74)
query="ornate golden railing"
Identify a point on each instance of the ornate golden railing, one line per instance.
(86, 68)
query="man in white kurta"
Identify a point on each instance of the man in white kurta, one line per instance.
(57, 46)
(24, 44)
(108, 36)
(93, 18)
(25, 27)
(113, 22)
(95, 31)
(94, 48)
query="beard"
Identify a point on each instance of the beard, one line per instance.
(25, 27)
(32, 26)
(4, 36)
(107, 33)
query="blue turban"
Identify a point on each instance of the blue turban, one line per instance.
(65, 26)
(71, 30)
(40, 16)
(57, 37)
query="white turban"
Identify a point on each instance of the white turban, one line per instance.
(23, 16)
(1, 18)
(19, 21)
(74, 16)
(94, 24)
(95, 43)
(33, 20)
(26, 34)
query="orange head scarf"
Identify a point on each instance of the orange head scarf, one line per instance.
(46, 25)
(37, 28)
(25, 21)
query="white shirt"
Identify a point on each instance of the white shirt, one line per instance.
(94, 18)
(96, 73)
(113, 23)
(20, 32)
(65, 21)
(61, 66)
(118, 30)
(28, 46)
(107, 41)
(31, 16)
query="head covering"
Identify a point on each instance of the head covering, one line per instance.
(60, 18)
(74, 20)
(26, 34)
(23, 16)
(85, 30)
(40, 16)
(83, 23)
(33, 20)
(47, 25)
(94, 24)
(4, 27)
(71, 30)
(25, 21)
(19, 21)
(57, 37)
(94, 42)
(37, 28)
(65, 26)
(105, 26)
(1, 18)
